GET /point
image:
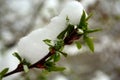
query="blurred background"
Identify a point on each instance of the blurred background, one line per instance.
(19, 17)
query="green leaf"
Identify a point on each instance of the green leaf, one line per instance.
(89, 16)
(61, 35)
(54, 68)
(17, 56)
(58, 68)
(48, 42)
(59, 44)
(63, 53)
(82, 20)
(24, 62)
(78, 44)
(67, 19)
(89, 42)
(0, 77)
(49, 64)
(26, 69)
(3, 72)
(93, 30)
(56, 57)
(70, 29)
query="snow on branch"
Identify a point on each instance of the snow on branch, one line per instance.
(43, 47)
(32, 46)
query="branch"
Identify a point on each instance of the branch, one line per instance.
(40, 64)
(68, 36)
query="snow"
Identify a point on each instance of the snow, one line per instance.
(87, 3)
(32, 46)
(74, 11)
(73, 50)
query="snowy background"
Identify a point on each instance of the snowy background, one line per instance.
(20, 17)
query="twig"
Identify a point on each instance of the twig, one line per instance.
(40, 64)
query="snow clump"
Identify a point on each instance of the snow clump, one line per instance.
(32, 46)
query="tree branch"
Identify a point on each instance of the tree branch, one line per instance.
(40, 64)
